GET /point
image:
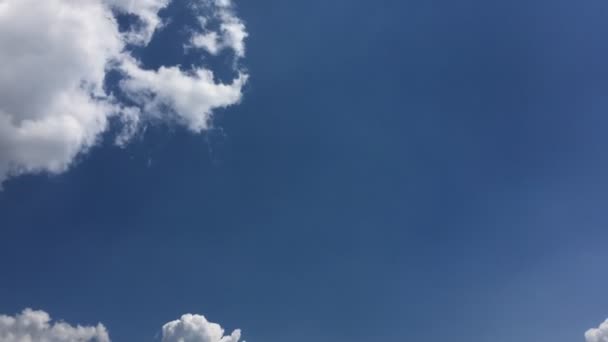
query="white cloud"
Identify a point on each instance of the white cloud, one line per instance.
(196, 328)
(130, 119)
(52, 102)
(599, 334)
(53, 106)
(231, 35)
(209, 41)
(36, 326)
(188, 97)
(146, 11)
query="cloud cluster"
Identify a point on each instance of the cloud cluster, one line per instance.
(30, 326)
(599, 334)
(36, 326)
(53, 104)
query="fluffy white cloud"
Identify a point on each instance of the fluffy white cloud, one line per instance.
(188, 97)
(36, 326)
(196, 328)
(53, 106)
(52, 102)
(599, 334)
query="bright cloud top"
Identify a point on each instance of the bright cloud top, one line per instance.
(196, 328)
(53, 105)
(599, 334)
(30, 326)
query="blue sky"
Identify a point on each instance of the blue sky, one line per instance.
(399, 170)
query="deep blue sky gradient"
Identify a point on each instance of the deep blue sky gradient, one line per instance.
(398, 170)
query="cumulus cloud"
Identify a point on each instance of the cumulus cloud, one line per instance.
(599, 334)
(196, 328)
(30, 326)
(53, 104)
